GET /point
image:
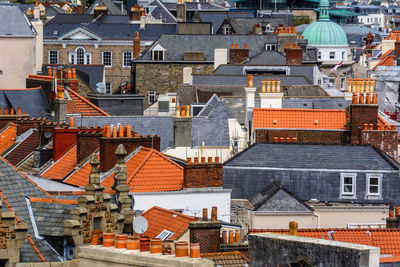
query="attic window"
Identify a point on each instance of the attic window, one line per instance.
(165, 234)
(55, 32)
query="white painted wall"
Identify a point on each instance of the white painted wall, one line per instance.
(337, 49)
(191, 201)
(372, 19)
(38, 25)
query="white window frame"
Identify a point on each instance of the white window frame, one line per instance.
(108, 88)
(165, 234)
(73, 56)
(352, 194)
(330, 54)
(319, 55)
(368, 177)
(103, 61)
(270, 47)
(123, 59)
(150, 95)
(50, 56)
(227, 29)
(159, 52)
(342, 83)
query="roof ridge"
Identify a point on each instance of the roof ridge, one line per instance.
(166, 158)
(88, 102)
(21, 89)
(55, 201)
(170, 211)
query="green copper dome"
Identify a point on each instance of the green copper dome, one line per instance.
(324, 31)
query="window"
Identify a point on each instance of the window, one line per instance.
(374, 185)
(319, 55)
(152, 97)
(127, 58)
(53, 57)
(107, 59)
(270, 47)
(343, 54)
(165, 234)
(158, 55)
(108, 88)
(80, 56)
(348, 185)
(342, 83)
(331, 55)
(227, 29)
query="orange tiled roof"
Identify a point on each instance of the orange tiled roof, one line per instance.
(233, 258)
(388, 240)
(387, 61)
(54, 200)
(393, 35)
(63, 166)
(8, 137)
(79, 104)
(148, 171)
(160, 219)
(385, 54)
(299, 118)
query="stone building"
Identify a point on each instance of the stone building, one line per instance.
(88, 40)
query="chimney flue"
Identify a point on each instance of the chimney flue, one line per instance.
(214, 214)
(205, 214)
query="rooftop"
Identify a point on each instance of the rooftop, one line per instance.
(80, 105)
(62, 167)
(13, 23)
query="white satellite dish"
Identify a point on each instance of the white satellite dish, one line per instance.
(140, 224)
(100, 88)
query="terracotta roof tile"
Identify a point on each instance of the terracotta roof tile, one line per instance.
(63, 166)
(388, 240)
(151, 171)
(160, 219)
(387, 61)
(80, 177)
(231, 259)
(79, 104)
(299, 118)
(23, 149)
(8, 136)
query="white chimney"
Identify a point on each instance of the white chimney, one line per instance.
(36, 11)
(220, 57)
(271, 97)
(250, 91)
(187, 75)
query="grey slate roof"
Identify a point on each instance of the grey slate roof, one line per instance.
(275, 198)
(217, 18)
(211, 125)
(315, 103)
(176, 45)
(161, 126)
(31, 101)
(197, 6)
(107, 31)
(309, 156)
(219, 79)
(268, 57)
(159, 11)
(13, 22)
(50, 217)
(246, 25)
(111, 7)
(16, 187)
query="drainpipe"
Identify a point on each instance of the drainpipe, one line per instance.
(318, 220)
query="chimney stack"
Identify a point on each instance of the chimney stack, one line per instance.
(136, 45)
(135, 13)
(250, 92)
(294, 54)
(60, 105)
(272, 98)
(181, 11)
(238, 55)
(397, 46)
(100, 10)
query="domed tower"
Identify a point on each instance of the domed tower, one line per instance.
(327, 36)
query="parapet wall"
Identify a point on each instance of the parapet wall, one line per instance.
(269, 249)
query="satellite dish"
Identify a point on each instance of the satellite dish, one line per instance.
(140, 224)
(47, 134)
(100, 88)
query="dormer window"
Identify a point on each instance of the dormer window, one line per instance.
(158, 52)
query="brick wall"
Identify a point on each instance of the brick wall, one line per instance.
(108, 145)
(303, 136)
(294, 56)
(115, 74)
(63, 140)
(87, 143)
(384, 140)
(207, 234)
(238, 55)
(6, 119)
(361, 114)
(202, 175)
(163, 78)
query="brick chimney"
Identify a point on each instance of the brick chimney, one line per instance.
(238, 55)
(181, 11)
(397, 46)
(113, 137)
(207, 234)
(64, 139)
(136, 45)
(203, 174)
(100, 10)
(135, 13)
(60, 105)
(6, 118)
(363, 110)
(294, 54)
(88, 142)
(383, 137)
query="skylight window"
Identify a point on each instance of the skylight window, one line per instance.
(165, 234)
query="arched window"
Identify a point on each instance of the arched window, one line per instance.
(80, 56)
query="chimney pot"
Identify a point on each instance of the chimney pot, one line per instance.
(294, 139)
(114, 132)
(374, 99)
(194, 250)
(371, 127)
(18, 111)
(214, 214)
(120, 130)
(209, 159)
(273, 86)
(71, 122)
(355, 99)
(188, 111)
(288, 139)
(224, 237)
(69, 73)
(203, 160)
(196, 160)
(216, 159)
(293, 228)
(263, 85)
(230, 237)
(250, 80)
(268, 86)
(282, 139)
(12, 111)
(368, 98)
(205, 214)
(178, 111)
(245, 46)
(365, 126)
(73, 73)
(276, 139)
(128, 131)
(49, 71)
(189, 160)
(393, 128)
(183, 110)
(232, 46)
(237, 236)
(237, 46)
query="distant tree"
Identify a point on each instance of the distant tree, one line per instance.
(298, 20)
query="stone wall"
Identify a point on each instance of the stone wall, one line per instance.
(164, 77)
(269, 249)
(115, 74)
(387, 141)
